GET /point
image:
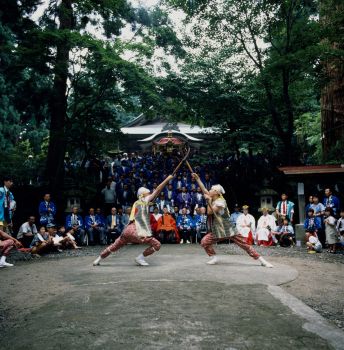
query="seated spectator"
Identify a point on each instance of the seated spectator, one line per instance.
(331, 230)
(185, 226)
(47, 210)
(175, 213)
(95, 229)
(285, 234)
(125, 217)
(74, 221)
(46, 242)
(234, 216)
(200, 223)
(7, 243)
(27, 231)
(246, 224)
(113, 225)
(154, 217)
(313, 243)
(265, 226)
(312, 224)
(166, 228)
(68, 239)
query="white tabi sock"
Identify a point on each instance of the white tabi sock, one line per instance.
(2, 259)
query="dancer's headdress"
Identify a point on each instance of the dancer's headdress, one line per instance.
(218, 188)
(141, 191)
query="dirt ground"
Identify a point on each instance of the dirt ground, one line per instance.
(62, 298)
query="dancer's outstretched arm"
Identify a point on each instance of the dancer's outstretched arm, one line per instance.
(200, 183)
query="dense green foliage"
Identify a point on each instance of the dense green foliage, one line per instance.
(69, 77)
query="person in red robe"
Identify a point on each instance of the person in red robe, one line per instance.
(167, 228)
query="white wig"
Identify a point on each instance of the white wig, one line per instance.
(218, 188)
(141, 191)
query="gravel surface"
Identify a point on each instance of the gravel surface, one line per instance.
(320, 283)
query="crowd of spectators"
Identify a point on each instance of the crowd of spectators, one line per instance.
(178, 215)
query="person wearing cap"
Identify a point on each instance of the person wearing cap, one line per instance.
(234, 216)
(221, 227)
(246, 225)
(139, 229)
(266, 225)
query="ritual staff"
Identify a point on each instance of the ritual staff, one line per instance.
(138, 230)
(220, 226)
(246, 225)
(266, 226)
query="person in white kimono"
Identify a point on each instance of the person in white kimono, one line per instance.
(246, 224)
(265, 227)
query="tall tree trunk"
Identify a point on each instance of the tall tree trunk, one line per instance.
(332, 95)
(58, 103)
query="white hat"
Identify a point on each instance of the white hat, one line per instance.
(141, 191)
(218, 188)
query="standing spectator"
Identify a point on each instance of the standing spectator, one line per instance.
(94, 228)
(47, 210)
(340, 224)
(330, 230)
(319, 211)
(310, 202)
(6, 205)
(312, 223)
(109, 194)
(7, 243)
(266, 224)
(234, 216)
(162, 202)
(331, 201)
(170, 195)
(246, 225)
(113, 224)
(285, 208)
(198, 199)
(185, 226)
(74, 221)
(27, 231)
(125, 197)
(184, 199)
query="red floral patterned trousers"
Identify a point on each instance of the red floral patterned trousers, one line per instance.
(129, 235)
(209, 239)
(6, 247)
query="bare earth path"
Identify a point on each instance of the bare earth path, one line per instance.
(178, 302)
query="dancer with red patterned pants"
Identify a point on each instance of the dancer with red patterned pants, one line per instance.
(7, 243)
(139, 229)
(221, 227)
